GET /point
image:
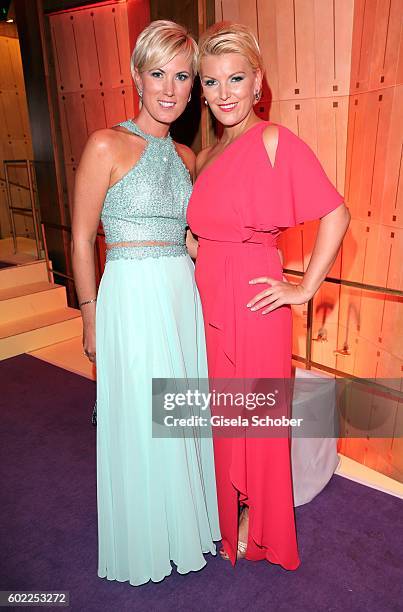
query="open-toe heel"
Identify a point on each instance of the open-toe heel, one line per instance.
(241, 549)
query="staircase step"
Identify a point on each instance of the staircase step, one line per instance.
(35, 332)
(28, 300)
(23, 274)
(68, 355)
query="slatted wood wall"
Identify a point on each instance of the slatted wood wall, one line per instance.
(334, 76)
(15, 135)
(91, 48)
(373, 249)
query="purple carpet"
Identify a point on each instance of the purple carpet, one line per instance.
(350, 537)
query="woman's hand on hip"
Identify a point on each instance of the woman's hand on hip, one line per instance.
(278, 293)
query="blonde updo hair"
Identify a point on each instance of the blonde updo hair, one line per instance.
(229, 37)
(159, 43)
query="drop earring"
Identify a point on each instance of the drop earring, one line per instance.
(257, 95)
(190, 97)
(140, 95)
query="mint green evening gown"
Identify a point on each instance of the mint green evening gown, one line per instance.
(156, 496)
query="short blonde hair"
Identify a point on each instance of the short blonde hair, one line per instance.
(159, 43)
(229, 37)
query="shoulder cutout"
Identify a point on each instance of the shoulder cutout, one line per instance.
(270, 139)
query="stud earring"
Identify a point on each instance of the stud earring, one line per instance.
(140, 93)
(205, 102)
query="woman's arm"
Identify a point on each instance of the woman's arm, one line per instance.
(332, 229)
(91, 184)
(191, 244)
(189, 159)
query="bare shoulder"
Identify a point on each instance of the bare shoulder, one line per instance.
(270, 140)
(102, 142)
(202, 158)
(187, 155)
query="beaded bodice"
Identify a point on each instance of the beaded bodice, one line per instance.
(149, 202)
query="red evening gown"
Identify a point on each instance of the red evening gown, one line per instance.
(239, 206)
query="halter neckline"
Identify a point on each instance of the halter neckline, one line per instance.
(147, 136)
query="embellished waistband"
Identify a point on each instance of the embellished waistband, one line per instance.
(141, 252)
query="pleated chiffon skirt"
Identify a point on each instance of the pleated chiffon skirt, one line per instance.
(156, 496)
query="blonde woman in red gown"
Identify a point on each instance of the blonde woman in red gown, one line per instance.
(256, 181)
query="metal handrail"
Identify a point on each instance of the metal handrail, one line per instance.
(309, 319)
(3, 180)
(31, 212)
(355, 284)
(308, 359)
(64, 228)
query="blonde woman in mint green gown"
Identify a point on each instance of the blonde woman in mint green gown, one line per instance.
(156, 496)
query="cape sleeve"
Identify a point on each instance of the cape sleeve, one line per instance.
(314, 195)
(295, 190)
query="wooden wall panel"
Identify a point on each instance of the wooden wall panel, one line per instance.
(355, 152)
(16, 63)
(392, 195)
(295, 48)
(301, 119)
(373, 187)
(91, 47)
(394, 278)
(292, 245)
(299, 314)
(333, 25)
(218, 12)
(230, 11)
(364, 28)
(74, 123)
(324, 331)
(86, 45)
(65, 53)
(15, 118)
(399, 69)
(7, 76)
(332, 124)
(384, 64)
(377, 43)
(391, 324)
(119, 103)
(374, 195)
(112, 43)
(377, 256)
(267, 36)
(248, 15)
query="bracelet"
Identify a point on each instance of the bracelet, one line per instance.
(87, 302)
